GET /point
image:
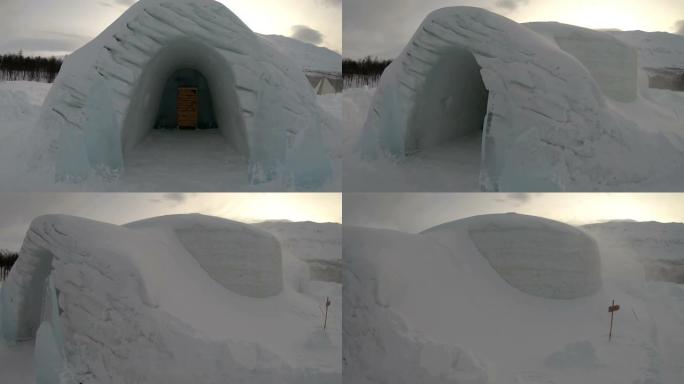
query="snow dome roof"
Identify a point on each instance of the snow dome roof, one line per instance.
(547, 123)
(538, 256)
(105, 99)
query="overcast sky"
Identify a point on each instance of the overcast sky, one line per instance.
(417, 212)
(383, 27)
(17, 210)
(58, 27)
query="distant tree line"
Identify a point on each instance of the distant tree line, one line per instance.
(16, 66)
(7, 260)
(364, 72)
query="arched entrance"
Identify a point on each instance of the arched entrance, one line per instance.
(155, 151)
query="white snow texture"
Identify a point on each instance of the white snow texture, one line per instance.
(444, 306)
(147, 303)
(105, 99)
(541, 257)
(542, 94)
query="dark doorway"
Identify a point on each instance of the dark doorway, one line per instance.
(177, 108)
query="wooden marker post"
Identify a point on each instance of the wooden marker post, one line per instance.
(612, 309)
(327, 304)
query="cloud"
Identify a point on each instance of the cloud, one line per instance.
(177, 197)
(522, 197)
(510, 5)
(679, 27)
(307, 34)
(44, 42)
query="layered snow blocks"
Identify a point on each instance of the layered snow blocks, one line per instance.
(541, 95)
(111, 92)
(540, 257)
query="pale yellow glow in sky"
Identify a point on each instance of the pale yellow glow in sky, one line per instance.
(614, 14)
(245, 207)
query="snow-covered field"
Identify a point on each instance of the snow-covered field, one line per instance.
(160, 301)
(567, 109)
(177, 161)
(433, 308)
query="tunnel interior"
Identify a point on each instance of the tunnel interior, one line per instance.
(167, 115)
(451, 105)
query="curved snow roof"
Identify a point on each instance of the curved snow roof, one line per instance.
(105, 99)
(538, 256)
(547, 126)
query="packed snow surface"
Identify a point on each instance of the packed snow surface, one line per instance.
(432, 308)
(137, 303)
(557, 112)
(312, 59)
(105, 98)
(541, 257)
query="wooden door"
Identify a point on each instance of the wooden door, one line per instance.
(186, 107)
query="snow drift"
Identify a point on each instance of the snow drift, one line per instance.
(107, 96)
(162, 300)
(433, 308)
(541, 97)
(541, 257)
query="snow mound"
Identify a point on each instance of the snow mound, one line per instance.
(612, 63)
(538, 256)
(238, 256)
(656, 49)
(129, 304)
(379, 344)
(310, 58)
(106, 97)
(542, 104)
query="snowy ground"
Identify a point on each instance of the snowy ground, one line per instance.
(281, 333)
(196, 161)
(430, 308)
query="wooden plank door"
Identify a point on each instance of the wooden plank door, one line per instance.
(186, 107)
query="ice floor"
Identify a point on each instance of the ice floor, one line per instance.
(175, 160)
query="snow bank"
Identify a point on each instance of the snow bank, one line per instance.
(379, 345)
(105, 98)
(108, 303)
(541, 257)
(310, 58)
(656, 49)
(546, 126)
(319, 245)
(612, 63)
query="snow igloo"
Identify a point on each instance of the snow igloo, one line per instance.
(538, 256)
(534, 99)
(96, 297)
(163, 54)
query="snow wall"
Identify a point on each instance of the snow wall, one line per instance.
(538, 256)
(242, 258)
(547, 124)
(108, 93)
(95, 297)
